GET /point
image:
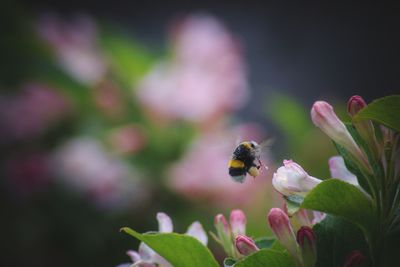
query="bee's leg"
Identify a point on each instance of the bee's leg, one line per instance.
(261, 165)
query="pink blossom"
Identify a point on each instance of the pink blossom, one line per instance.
(292, 179)
(193, 85)
(30, 112)
(127, 139)
(202, 173)
(84, 165)
(74, 43)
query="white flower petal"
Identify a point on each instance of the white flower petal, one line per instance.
(164, 223)
(291, 179)
(338, 170)
(145, 252)
(133, 255)
(196, 230)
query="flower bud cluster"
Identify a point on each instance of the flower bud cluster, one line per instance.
(232, 236)
(302, 246)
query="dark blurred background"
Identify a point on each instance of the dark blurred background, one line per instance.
(88, 146)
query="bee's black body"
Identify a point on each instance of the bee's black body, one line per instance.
(242, 160)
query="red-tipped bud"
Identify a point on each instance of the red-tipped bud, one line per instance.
(238, 222)
(245, 245)
(354, 259)
(307, 242)
(280, 225)
(363, 127)
(221, 223)
(305, 235)
(224, 234)
(355, 104)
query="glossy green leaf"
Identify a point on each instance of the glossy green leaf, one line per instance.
(336, 238)
(384, 110)
(267, 257)
(179, 249)
(339, 198)
(264, 242)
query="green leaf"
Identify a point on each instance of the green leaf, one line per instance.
(179, 249)
(384, 110)
(128, 59)
(293, 203)
(336, 238)
(339, 198)
(228, 262)
(267, 257)
(264, 242)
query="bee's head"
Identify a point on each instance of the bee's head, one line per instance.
(253, 147)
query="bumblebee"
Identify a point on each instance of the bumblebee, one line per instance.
(243, 161)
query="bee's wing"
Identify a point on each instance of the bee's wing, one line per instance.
(267, 143)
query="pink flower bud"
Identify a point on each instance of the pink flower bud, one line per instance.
(354, 259)
(280, 225)
(224, 235)
(324, 117)
(363, 127)
(221, 223)
(238, 222)
(338, 170)
(245, 245)
(305, 234)
(291, 179)
(355, 104)
(307, 242)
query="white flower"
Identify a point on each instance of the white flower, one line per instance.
(338, 170)
(147, 257)
(292, 179)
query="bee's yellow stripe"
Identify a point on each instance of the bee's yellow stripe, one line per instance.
(246, 144)
(234, 163)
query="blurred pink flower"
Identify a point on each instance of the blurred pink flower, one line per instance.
(127, 139)
(28, 172)
(109, 98)
(30, 112)
(74, 43)
(205, 77)
(85, 166)
(202, 173)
